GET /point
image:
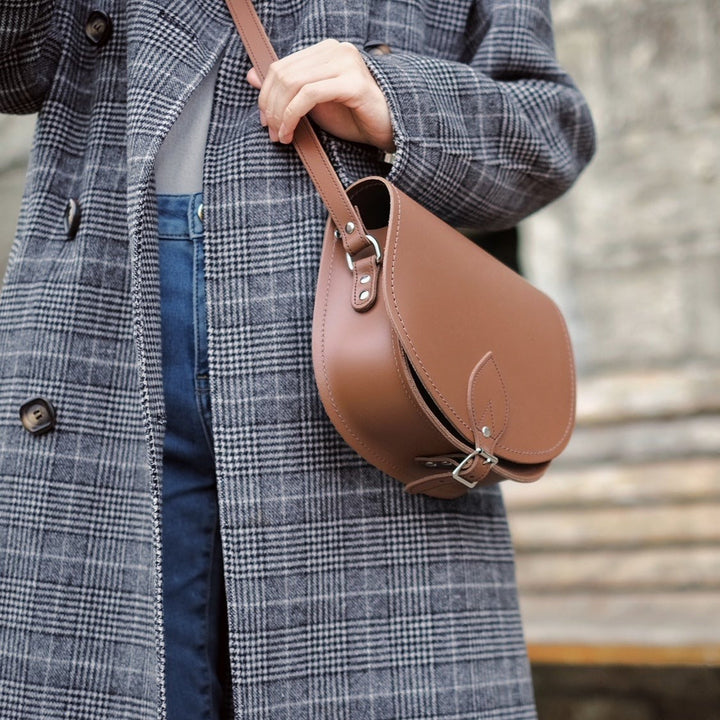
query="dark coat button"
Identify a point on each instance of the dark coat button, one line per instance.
(37, 416)
(98, 28)
(72, 218)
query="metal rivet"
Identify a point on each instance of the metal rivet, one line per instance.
(447, 463)
(430, 464)
(338, 236)
(201, 212)
(349, 228)
(365, 279)
(486, 431)
(365, 294)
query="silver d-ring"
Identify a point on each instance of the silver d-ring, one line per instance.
(378, 253)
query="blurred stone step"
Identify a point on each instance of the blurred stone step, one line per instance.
(630, 527)
(641, 394)
(641, 619)
(639, 568)
(643, 441)
(610, 484)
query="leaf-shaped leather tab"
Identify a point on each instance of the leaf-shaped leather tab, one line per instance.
(488, 403)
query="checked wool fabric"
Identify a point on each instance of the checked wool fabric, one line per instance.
(347, 598)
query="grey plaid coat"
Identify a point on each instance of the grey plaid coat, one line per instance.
(347, 598)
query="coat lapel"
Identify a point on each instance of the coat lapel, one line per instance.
(171, 46)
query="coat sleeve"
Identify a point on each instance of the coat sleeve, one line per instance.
(486, 141)
(28, 54)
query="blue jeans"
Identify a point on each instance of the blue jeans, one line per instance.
(193, 589)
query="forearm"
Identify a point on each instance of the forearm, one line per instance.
(487, 142)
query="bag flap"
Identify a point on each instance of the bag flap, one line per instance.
(451, 304)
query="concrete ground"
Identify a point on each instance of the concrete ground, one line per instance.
(566, 692)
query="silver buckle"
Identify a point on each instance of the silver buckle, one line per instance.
(489, 460)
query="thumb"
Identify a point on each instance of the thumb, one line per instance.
(254, 78)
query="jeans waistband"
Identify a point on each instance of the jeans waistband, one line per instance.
(180, 216)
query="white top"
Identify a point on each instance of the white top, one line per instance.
(179, 162)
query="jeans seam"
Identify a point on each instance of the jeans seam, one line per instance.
(198, 306)
(209, 660)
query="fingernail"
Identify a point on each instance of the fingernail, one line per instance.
(263, 119)
(283, 134)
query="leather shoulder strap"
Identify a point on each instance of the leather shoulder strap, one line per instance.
(306, 141)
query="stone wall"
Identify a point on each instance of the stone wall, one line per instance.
(635, 244)
(619, 545)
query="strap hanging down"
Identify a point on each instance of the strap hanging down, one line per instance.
(305, 139)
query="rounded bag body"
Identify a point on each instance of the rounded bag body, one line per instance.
(456, 372)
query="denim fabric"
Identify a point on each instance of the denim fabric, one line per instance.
(193, 591)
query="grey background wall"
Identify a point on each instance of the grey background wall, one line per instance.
(619, 546)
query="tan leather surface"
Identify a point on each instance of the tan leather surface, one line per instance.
(366, 274)
(471, 304)
(488, 403)
(357, 361)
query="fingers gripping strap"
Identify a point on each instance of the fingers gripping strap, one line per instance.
(306, 141)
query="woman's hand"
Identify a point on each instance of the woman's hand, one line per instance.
(331, 82)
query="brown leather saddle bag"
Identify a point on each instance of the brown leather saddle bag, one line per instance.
(457, 372)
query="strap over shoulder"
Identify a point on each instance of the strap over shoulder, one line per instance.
(262, 54)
